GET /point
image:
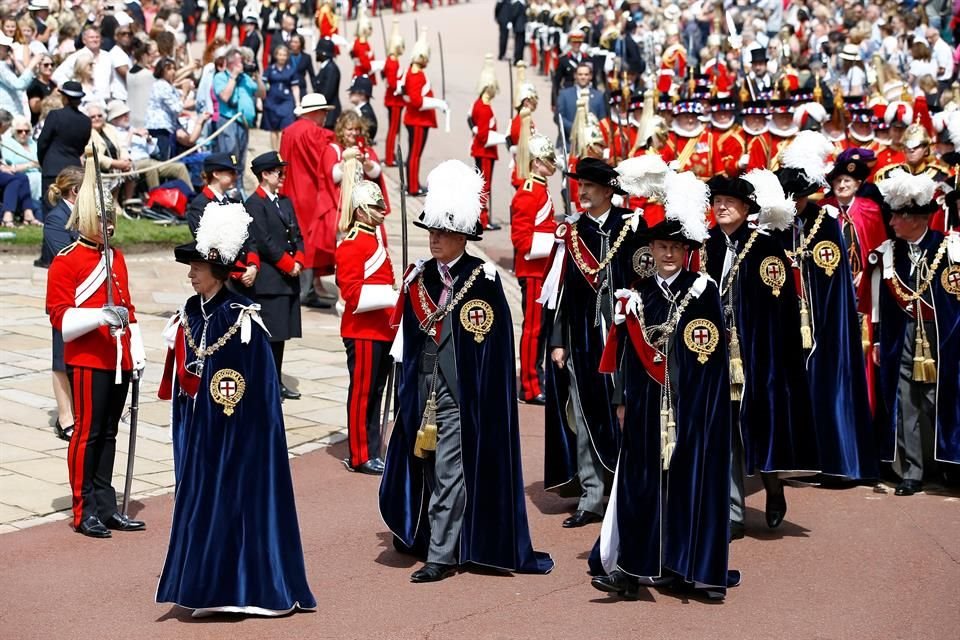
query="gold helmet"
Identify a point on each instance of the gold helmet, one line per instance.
(915, 136)
(541, 148)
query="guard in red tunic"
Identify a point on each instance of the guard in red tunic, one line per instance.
(102, 345)
(521, 129)
(782, 131)
(689, 142)
(420, 114)
(486, 137)
(362, 52)
(532, 232)
(726, 138)
(365, 279)
(392, 97)
(756, 126)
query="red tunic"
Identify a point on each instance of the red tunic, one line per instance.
(484, 122)
(362, 54)
(886, 157)
(531, 211)
(391, 75)
(77, 279)
(728, 147)
(759, 151)
(619, 145)
(777, 145)
(362, 259)
(309, 184)
(700, 160)
(416, 87)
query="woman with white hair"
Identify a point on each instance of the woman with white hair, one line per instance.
(20, 154)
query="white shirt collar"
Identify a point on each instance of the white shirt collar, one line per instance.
(601, 218)
(451, 263)
(667, 281)
(916, 243)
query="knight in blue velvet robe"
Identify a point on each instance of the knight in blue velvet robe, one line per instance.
(672, 523)
(940, 309)
(494, 531)
(234, 540)
(577, 320)
(834, 364)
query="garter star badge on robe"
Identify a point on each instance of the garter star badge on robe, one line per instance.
(950, 279)
(476, 316)
(827, 256)
(561, 230)
(226, 388)
(643, 264)
(701, 337)
(773, 273)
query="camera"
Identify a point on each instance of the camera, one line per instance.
(250, 68)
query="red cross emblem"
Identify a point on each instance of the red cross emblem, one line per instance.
(953, 278)
(826, 254)
(477, 316)
(701, 336)
(227, 388)
(773, 270)
(646, 260)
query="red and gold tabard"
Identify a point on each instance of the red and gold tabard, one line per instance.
(777, 145)
(886, 157)
(619, 139)
(693, 153)
(759, 151)
(728, 147)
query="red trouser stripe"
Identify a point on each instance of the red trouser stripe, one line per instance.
(76, 452)
(390, 156)
(533, 54)
(529, 339)
(361, 388)
(212, 30)
(413, 162)
(485, 165)
(267, 41)
(228, 32)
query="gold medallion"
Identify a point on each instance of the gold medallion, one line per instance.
(643, 264)
(226, 388)
(701, 337)
(773, 273)
(476, 316)
(950, 279)
(827, 256)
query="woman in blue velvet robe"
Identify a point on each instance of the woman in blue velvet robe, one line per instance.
(835, 369)
(672, 523)
(234, 540)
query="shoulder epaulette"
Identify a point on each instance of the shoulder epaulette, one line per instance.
(67, 249)
(528, 184)
(352, 233)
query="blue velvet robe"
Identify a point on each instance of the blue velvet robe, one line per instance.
(835, 367)
(234, 539)
(495, 532)
(776, 422)
(682, 515)
(944, 339)
(572, 326)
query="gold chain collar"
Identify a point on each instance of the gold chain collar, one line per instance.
(441, 312)
(923, 282)
(807, 238)
(578, 257)
(736, 263)
(209, 351)
(661, 332)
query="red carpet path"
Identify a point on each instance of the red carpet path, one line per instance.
(845, 564)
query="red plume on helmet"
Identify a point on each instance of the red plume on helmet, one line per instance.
(898, 113)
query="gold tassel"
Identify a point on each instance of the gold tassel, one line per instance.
(427, 434)
(806, 332)
(865, 341)
(918, 372)
(736, 367)
(929, 364)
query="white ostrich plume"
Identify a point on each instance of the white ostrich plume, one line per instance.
(454, 197)
(902, 190)
(777, 211)
(223, 227)
(687, 201)
(809, 153)
(643, 176)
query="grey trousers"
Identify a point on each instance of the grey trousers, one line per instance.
(738, 495)
(443, 473)
(590, 471)
(917, 402)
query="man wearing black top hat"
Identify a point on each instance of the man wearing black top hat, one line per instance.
(65, 134)
(595, 255)
(767, 381)
(326, 79)
(280, 247)
(360, 91)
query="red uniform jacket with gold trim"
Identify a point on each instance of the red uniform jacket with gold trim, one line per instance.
(77, 278)
(362, 259)
(391, 75)
(701, 160)
(484, 122)
(415, 88)
(531, 211)
(759, 151)
(728, 147)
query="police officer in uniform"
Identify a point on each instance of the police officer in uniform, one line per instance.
(64, 136)
(280, 249)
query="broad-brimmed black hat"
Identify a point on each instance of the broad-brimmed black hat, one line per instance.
(735, 188)
(187, 253)
(796, 183)
(669, 230)
(220, 162)
(597, 171)
(852, 162)
(267, 161)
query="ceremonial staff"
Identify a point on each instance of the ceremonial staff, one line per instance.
(566, 163)
(386, 41)
(443, 75)
(510, 78)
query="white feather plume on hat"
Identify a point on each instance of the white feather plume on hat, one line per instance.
(643, 176)
(223, 227)
(808, 152)
(777, 211)
(454, 198)
(687, 201)
(903, 190)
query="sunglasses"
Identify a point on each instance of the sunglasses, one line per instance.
(97, 116)
(21, 131)
(46, 64)
(123, 33)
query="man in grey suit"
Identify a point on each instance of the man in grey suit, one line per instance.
(567, 100)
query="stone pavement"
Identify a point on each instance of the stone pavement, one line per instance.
(34, 486)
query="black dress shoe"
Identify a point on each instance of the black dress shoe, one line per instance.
(121, 522)
(372, 467)
(540, 400)
(619, 583)
(288, 394)
(91, 526)
(737, 530)
(776, 508)
(433, 572)
(908, 488)
(63, 433)
(417, 194)
(581, 518)
(493, 226)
